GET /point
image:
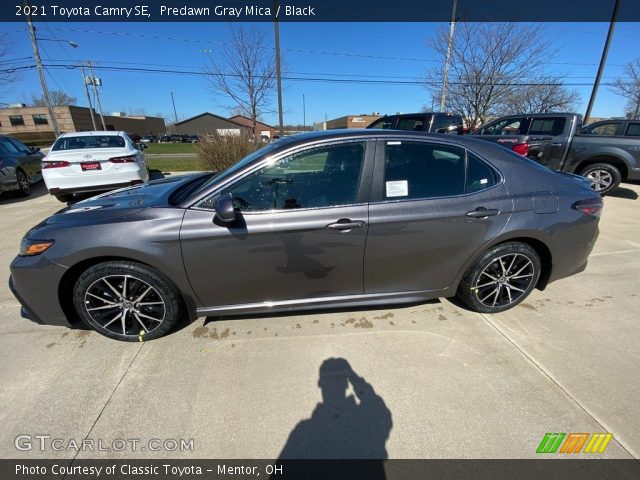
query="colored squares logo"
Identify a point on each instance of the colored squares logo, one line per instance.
(574, 442)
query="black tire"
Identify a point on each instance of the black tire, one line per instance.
(24, 184)
(604, 177)
(501, 278)
(99, 301)
(64, 197)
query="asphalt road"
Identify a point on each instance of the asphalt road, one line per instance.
(432, 380)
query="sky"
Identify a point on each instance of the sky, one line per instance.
(373, 51)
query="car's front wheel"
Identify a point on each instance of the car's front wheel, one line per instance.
(127, 301)
(501, 278)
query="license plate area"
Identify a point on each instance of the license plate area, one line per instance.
(89, 166)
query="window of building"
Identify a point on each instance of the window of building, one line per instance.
(415, 170)
(40, 119)
(16, 120)
(325, 176)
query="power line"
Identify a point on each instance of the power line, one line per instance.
(299, 78)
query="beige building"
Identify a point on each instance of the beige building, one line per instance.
(32, 125)
(351, 121)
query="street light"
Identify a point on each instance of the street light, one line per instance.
(71, 44)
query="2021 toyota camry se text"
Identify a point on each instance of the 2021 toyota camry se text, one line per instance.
(318, 220)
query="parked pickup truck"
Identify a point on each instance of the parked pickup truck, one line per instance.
(605, 155)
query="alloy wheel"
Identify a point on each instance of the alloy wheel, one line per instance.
(600, 180)
(125, 305)
(504, 280)
(23, 183)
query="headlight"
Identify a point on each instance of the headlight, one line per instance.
(29, 248)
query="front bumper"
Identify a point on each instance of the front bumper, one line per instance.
(633, 173)
(34, 281)
(571, 259)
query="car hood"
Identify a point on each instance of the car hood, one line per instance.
(119, 203)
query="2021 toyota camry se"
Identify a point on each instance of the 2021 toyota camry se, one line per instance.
(317, 220)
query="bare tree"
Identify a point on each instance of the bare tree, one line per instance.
(57, 97)
(543, 98)
(244, 73)
(490, 64)
(7, 74)
(629, 88)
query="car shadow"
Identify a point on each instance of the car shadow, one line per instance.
(37, 190)
(625, 193)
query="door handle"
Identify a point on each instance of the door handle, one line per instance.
(346, 224)
(556, 144)
(483, 212)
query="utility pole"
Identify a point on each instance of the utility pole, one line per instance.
(304, 113)
(447, 61)
(175, 113)
(94, 82)
(43, 81)
(603, 61)
(85, 80)
(276, 29)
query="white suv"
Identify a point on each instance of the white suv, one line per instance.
(93, 161)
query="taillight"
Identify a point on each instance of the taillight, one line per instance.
(58, 164)
(127, 159)
(521, 148)
(591, 206)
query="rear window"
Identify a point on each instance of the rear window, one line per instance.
(411, 123)
(89, 141)
(633, 130)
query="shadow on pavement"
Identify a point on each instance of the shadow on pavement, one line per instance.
(351, 422)
(625, 193)
(37, 190)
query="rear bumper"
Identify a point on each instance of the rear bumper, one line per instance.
(93, 188)
(34, 281)
(571, 259)
(58, 183)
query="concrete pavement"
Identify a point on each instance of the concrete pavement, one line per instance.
(456, 384)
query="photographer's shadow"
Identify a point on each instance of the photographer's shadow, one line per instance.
(343, 425)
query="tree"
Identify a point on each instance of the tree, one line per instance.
(629, 88)
(544, 98)
(493, 66)
(245, 73)
(58, 99)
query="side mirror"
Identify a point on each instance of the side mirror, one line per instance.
(35, 149)
(142, 146)
(225, 212)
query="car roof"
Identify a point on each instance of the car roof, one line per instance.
(89, 134)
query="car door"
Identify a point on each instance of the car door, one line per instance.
(558, 128)
(433, 206)
(300, 230)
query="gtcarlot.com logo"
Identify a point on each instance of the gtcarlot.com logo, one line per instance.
(45, 442)
(573, 443)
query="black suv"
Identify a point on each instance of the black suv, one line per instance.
(422, 122)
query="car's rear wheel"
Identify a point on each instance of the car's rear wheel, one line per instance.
(501, 278)
(603, 177)
(24, 185)
(127, 301)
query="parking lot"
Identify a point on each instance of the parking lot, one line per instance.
(447, 383)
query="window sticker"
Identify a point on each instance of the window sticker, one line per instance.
(397, 188)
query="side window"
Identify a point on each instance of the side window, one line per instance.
(411, 123)
(384, 123)
(547, 126)
(479, 175)
(447, 123)
(324, 176)
(421, 170)
(633, 130)
(606, 129)
(509, 126)
(22, 148)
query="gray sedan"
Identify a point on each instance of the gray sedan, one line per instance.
(321, 220)
(20, 166)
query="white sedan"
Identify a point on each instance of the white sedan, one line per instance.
(82, 162)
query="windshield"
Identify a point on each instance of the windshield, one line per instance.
(238, 166)
(89, 141)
